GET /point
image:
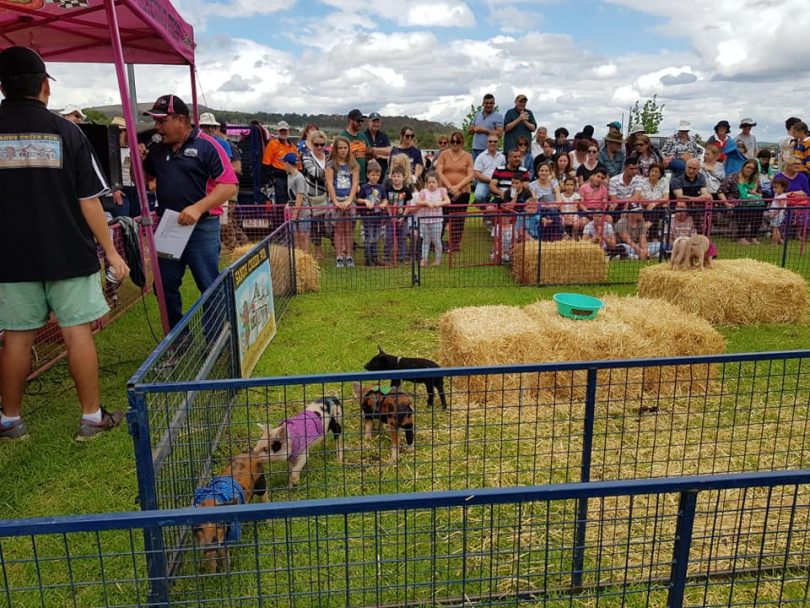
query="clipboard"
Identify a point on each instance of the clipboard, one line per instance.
(171, 237)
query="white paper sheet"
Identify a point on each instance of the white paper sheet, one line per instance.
(170, 237)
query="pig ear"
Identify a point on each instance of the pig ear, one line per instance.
(379, 348)
(263, 427)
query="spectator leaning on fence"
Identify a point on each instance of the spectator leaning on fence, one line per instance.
(48, 243)
(194, 178)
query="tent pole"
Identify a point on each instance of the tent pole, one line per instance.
(196, 110)
(133, 94)
(137, 167)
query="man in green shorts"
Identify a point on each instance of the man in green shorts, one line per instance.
(52, 218)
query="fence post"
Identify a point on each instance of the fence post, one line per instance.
(666, 230)
(687, 505)
(539, 260)
(786, 225)
(416, 268)
(138, 424)
(236, 363)
(291, 250)
(585, 475)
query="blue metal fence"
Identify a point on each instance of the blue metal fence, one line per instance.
(732, 540)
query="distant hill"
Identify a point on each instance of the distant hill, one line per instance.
(426, 130)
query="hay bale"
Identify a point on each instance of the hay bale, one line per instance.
(307, 271)
(561, 263)
(733, 292)
(489, 335)
(626, 328)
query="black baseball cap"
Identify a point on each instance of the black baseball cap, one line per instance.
(356, 115)
(166, 105)
(20, 60)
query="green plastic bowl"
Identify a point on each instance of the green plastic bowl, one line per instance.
(577, 306)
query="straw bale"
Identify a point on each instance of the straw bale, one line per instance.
(626, 328)
(490, 335)
(561, 263)
(733, 292)
(307, 271)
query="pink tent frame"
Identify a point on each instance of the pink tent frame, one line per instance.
(109, 31)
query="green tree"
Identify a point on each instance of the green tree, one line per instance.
(96, 117)
(649, 115)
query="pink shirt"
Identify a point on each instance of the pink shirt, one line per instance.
(592, 198)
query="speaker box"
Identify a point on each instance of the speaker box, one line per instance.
(104, 139)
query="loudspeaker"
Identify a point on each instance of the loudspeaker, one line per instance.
(104, 139)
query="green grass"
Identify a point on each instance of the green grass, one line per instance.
(327, 332)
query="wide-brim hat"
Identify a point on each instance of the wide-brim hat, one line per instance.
(614, 138)
(207, 119)
(722, 123)
(747, 121)
(684, 125)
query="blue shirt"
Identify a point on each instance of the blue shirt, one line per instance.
(492, 121)
(188, 174)
(615, 163)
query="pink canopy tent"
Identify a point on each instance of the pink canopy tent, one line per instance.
(106, 31)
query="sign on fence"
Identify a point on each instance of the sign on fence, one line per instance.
(253, 302)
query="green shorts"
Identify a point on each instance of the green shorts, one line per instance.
(26, 306)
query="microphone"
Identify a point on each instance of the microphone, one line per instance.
(156, 139)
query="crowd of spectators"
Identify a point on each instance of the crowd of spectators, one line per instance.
(613, 189)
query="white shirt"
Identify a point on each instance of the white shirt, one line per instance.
(487, 163)
(622, 191)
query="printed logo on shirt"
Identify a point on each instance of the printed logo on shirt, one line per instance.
(30, 151)
(358, 148)
(190, 152)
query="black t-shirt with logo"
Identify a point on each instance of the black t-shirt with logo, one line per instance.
(46, 166)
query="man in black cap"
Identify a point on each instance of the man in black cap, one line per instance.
(53, 218)
(358, 141)
(195, 178)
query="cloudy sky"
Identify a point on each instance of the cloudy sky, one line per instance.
(578, 61)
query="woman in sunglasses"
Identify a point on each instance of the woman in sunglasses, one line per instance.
(406, 145)
(454, 168)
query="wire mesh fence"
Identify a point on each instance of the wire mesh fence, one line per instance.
(504, 426)
(605, 245)
(738, 540)
(49, 346)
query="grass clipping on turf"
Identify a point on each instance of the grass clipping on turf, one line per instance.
(561, 263)
(626, 328)
(733, 292)
(307, 271)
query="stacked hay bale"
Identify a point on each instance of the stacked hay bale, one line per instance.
(626, 328)
(490, 335)
(561, 263)
(733, 292)
(307, 271)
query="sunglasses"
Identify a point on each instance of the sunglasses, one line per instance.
(319, 145)
(523, 145)
(593, 151)
(408, 136)
(443, 142)
(455, 141)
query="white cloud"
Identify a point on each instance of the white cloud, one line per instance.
(346, 59)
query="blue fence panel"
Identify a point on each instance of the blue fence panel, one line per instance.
(734, 540)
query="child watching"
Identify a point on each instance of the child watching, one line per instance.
(429, 203)
(397, 197)
(569, 206)
(594, 197)
(370, 198)
(776, 213)
(514, 200)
